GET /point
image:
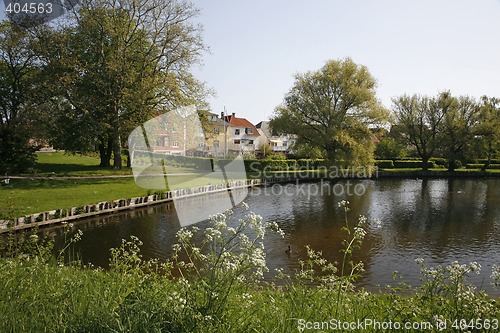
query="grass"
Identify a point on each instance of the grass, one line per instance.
(32, 194)
(61, 164)
(218, 287)
(440, 170)
(28, 196)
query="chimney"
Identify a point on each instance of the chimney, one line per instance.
(233, 114)
(222, 115)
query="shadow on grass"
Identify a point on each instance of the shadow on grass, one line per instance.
(55, 183)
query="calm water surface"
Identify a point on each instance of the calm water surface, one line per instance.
(440, 220)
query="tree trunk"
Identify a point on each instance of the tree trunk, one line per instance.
(117, 146)
(129, 161)
(425, 160)
(104, 154)
(488, 162)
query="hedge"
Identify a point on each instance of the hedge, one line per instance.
(480, 165)
(485, 160)
(439, 161)
(412, 164)
(384, 164)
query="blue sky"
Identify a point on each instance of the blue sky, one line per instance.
(411, 46)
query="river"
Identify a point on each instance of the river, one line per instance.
(439, 220)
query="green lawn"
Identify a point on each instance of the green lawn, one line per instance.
(33, 195)
(61, 164)
(27, 196)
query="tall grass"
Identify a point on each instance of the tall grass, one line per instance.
(214, 283)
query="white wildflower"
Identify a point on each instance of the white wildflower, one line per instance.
(419, 261)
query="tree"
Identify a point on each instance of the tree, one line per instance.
(389, 148)
(119, 64)
(419, 121)
(18, 76)
(460, 119)
(488, 129)
(331, 109)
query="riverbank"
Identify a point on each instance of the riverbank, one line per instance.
(221, 289)
(88, 196)
(57, 216)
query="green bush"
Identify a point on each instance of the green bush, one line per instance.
(310, 164)
(485, 160)
(384, 164)
(439, 161)
(480, 165)
(412, 164)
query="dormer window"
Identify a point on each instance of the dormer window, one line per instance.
(248, 130)
(237, 131)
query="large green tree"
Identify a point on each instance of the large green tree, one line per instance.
(460, 120)
(331, 109)
(487, 132)
(419, 121)
(118, 64)
(19, 70)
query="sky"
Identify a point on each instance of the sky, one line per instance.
(410, 47)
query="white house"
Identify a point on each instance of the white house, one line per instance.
(277, 143)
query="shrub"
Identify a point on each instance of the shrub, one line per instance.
(310, 164)
(412, 164)
(480, 165)
(439, 161)
(384, 164)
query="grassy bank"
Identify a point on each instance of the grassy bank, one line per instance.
(33, 195)
(28, 196)
(64, 181)
(216, 285)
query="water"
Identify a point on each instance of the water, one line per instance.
(440, 220)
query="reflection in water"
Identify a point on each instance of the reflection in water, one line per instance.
(439, 220)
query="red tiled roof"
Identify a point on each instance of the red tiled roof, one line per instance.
(242, 122)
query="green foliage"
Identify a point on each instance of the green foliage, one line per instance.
(111, 68)
(389, 148)
(480, 166)
(439, 161)
(310, 164)
(214, 283)
(276, 156)
(384, 164)
(18, 98)
(329, 109)
(16, 153)
(412, 164)
(307, 151)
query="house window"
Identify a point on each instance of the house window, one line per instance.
(284, 144)
(165, 142)
(237, 131)
(250, 142)
(216, 130)
(249, 130)
(175, 144)
(236, 142)
(216, 144)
